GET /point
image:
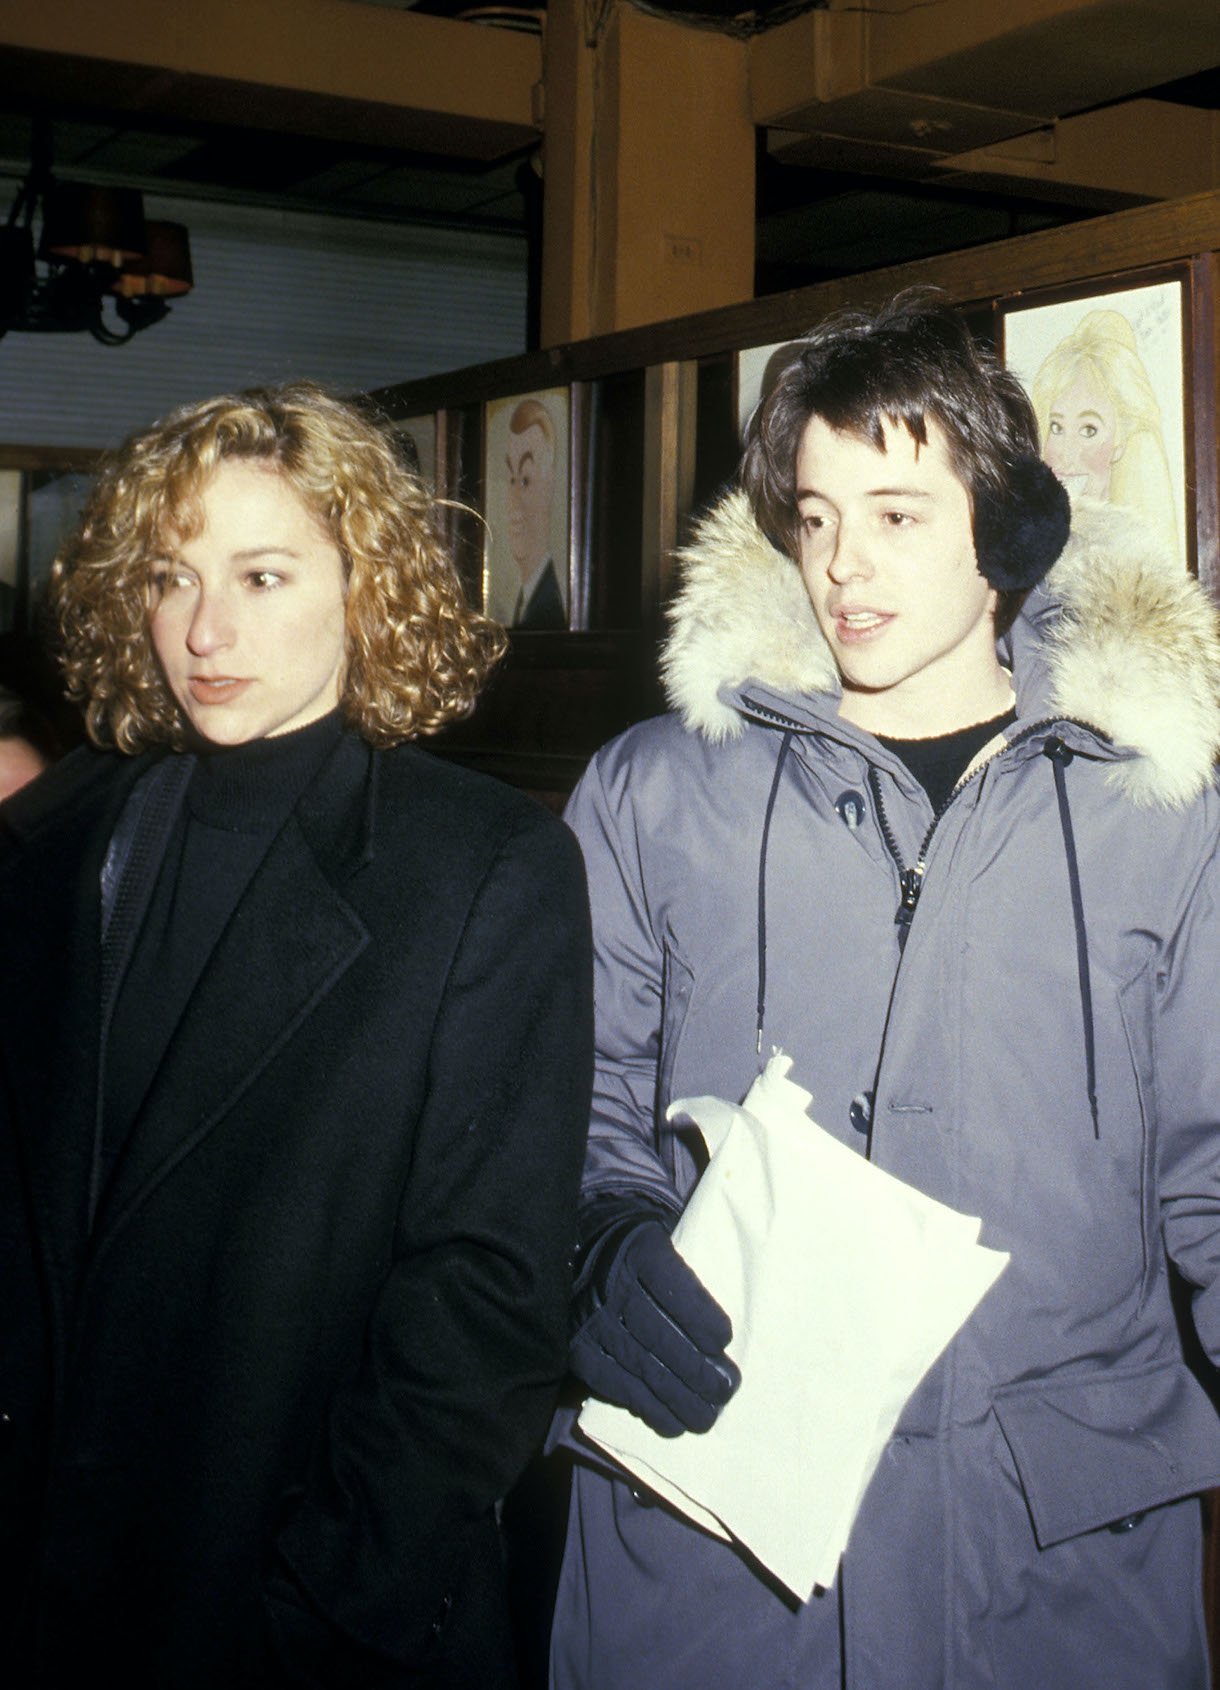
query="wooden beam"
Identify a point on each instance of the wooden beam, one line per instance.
(650, 204)
(1145, 149)
(1126, 240)
(314, 63)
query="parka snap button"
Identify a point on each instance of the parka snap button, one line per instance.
(850, 806)
(861, 1112)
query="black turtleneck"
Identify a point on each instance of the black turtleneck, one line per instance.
(168, 923)
(938, 764)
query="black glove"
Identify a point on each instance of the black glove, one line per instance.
(655, 1339)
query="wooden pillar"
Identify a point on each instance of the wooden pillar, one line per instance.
(648, 171)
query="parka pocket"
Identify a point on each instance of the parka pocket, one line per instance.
(1098, 1450)
(677, 990)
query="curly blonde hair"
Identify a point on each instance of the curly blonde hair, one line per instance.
(417, 654)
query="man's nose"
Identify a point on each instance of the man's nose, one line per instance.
(851, 561)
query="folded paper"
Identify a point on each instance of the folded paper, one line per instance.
(843, 1285)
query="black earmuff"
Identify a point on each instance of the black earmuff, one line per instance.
(1019, 533)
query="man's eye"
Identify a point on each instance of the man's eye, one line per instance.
(898, 519)
(1055, 428)
(1088, 431)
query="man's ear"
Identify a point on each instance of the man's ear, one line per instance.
(1020, 532)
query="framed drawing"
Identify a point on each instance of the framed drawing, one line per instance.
(1107, 369)
(527, 491)
(757, 367)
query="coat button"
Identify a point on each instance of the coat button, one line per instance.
(438, 1624)
(642, 1498)
(850, 806)
(861, 1112)
(1128, 1523)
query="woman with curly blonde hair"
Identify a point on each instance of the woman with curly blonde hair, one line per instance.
(416, 654)
(294, 1078)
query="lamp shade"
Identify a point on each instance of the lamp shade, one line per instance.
(93, 225)
(165, 268)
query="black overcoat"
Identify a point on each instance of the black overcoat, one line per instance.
(261, 1409)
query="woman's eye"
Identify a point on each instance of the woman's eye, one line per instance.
(1088, 431)
(1055, 428)
(263, 580)
(897, 519)
(164, 580)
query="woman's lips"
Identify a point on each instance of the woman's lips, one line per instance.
(216, 689)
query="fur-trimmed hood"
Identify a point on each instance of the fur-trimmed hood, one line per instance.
(1122, 638)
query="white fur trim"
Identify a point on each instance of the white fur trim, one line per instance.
(742, 610)
(1135, 651)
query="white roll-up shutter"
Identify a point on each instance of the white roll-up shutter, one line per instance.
(278, 296)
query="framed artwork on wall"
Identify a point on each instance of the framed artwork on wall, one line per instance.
(527, 481)
(757, 367)
(1107, 366)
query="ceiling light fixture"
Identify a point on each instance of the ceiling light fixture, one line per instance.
(94, 245)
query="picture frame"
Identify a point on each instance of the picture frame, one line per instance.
(612, 432)
(419, 439)
(42, 494)
(1108, 367)
(755, 373)
(528, 582)
(459, 451)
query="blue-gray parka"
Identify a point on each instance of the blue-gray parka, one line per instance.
(1042, 1053)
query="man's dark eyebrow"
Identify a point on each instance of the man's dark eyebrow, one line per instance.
(873, 493)
(525, 458)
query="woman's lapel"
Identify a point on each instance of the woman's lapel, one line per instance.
(288, 944)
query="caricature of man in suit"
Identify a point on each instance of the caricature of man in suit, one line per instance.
(531, 488)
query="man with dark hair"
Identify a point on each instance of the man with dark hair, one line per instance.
(935, 815)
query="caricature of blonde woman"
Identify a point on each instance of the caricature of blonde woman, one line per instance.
(1100, 422)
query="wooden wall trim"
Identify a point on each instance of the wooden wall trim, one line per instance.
(1125, 240)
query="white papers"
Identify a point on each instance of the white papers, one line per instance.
(843, 1285)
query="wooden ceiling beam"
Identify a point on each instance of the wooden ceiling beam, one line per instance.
(320, 67)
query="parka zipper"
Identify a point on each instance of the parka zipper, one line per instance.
(910, 880)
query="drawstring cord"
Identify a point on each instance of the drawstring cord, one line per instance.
(762, 889)
(1060, 756)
